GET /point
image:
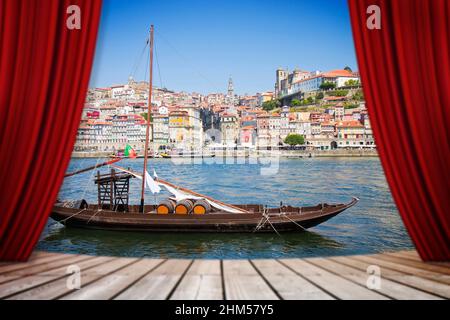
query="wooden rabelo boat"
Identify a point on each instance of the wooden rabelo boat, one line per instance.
(184, 210)
(256, 219)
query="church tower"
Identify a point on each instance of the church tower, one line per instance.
(230, 100)
(230, 93)
(230, 88)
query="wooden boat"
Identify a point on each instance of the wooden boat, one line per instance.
(185, 211)
(188, 155)
(258, 218)
(182, 153)
(139, 156)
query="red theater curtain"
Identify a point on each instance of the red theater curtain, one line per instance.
(405, 71)
(44, 74)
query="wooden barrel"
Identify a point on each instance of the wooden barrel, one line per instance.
(201, 207)
(184, 206)
(165, 207)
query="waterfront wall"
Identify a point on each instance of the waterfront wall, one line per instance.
(280, 153)
(331, 153)
(92, 154)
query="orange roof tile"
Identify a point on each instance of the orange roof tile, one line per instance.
(350, 124)
(337, 73)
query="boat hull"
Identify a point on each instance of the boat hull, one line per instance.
(295, 219)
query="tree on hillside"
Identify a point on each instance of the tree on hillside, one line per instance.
(144, 115)
(338, 93)
(319, 96)
(347, 68)
(351, 83)
(270, 105)
(295, 102)
(310, 100)
(294, 139)
(327, 85)
(358, 96)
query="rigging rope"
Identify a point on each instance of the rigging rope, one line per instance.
(186, 61)
(138, 60)
(161, 85)
(89, 180)
(147, 65)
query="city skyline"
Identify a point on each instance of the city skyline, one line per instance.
(199, 46)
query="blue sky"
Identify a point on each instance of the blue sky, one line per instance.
(200, 43)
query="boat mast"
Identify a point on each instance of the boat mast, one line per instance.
(149, 112)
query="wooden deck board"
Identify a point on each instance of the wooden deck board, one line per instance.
(442, 278)
(388, 288)
(203, 281)
(116, 282)
(9, 267)
(37, 276)
(58, 287)
(411, 255)
(242, 282)
(287, 283)
(159, 283)
(403, 276)
(413, 281)
(46, 268)
(415, 264)
(335, 285)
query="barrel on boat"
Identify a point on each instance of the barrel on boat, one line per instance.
(165, 207)
(184, 206)
(201, 206)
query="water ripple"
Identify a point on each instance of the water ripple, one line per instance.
(372, 226)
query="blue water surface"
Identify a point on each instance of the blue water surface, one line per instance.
(373, 225)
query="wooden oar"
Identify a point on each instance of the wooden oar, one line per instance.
(91, 168)
(185, 190)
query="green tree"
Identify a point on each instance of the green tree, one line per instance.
(347, 68)
(349, 105)
(319, 96)
(270, 105)
(310, 100)
(359, 96)
(144, 115)
(294, 139)
(352, 83)
(338, 93)
(295, 102)
(327, 85)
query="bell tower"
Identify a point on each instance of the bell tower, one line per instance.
(230, 93)
(230, 88)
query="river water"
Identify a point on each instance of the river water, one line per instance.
(373, 225)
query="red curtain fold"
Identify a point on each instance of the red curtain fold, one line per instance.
(405, 71)
(44, 75)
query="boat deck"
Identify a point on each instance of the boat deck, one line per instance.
(403, 276)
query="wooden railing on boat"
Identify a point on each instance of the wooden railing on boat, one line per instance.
(113, 190)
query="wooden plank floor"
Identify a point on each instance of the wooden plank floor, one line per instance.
(403, 276)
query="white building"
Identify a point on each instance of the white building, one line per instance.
(229, 126)
(313, 83)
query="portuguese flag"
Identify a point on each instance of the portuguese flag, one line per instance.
(129, 152)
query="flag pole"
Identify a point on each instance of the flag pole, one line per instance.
(149, 111)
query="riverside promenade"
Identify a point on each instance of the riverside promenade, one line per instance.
(275, 153)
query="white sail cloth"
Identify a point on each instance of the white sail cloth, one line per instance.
(154, 187)
(181, 195)
(151, 184)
